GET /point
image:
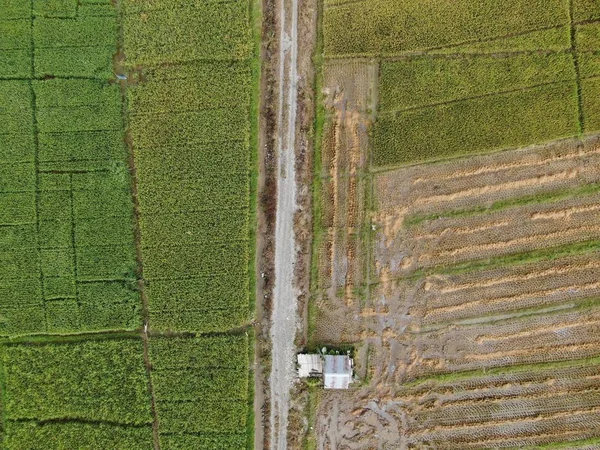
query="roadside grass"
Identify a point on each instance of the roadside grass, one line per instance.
(318, 230)
(314, 397)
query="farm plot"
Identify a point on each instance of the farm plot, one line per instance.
(75, 394)
(481, 325)
(67, 246)
(201, 387)
(68, 261)
(412, 82)
(470, 78)
(190, 123)
(467, 285)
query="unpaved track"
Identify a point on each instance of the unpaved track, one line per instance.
(285, 295)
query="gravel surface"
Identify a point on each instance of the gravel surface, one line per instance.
(285, 295)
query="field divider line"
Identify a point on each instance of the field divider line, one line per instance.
(575, 56)
(74, 248)
(128, 139)
(61, 420)
(397, 112)
(36, 163)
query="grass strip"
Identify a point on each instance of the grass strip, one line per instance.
(459, 376)
(533, 199)
(527, 257)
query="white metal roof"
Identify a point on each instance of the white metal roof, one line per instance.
(337, 372)
(309, 365)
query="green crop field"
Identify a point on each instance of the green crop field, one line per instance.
(470, 77)
(190, 123)
(126, 206)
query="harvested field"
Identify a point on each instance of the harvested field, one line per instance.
(464, 270)
(481, 328)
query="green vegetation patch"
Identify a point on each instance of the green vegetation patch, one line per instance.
(590, 93)
(588, 46)
(476, 125)
(78, 62)
(203, 31)
(81, 138)
(389, 27)
(586, 10)
(16, 34)
(55, 8)
(65, 203)
(80, 47)
(190, 125)
(554, 39)
(15, 64)
(212, 84)
(180, 441)
(82, 32)
(15, 9)
(427, 80)
(76, 381)
(31, 435)
(208, 371)
(158, 129)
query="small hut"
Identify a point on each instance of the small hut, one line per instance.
(337, 371)
(310, 366)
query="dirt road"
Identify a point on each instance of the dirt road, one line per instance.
(285, 295)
